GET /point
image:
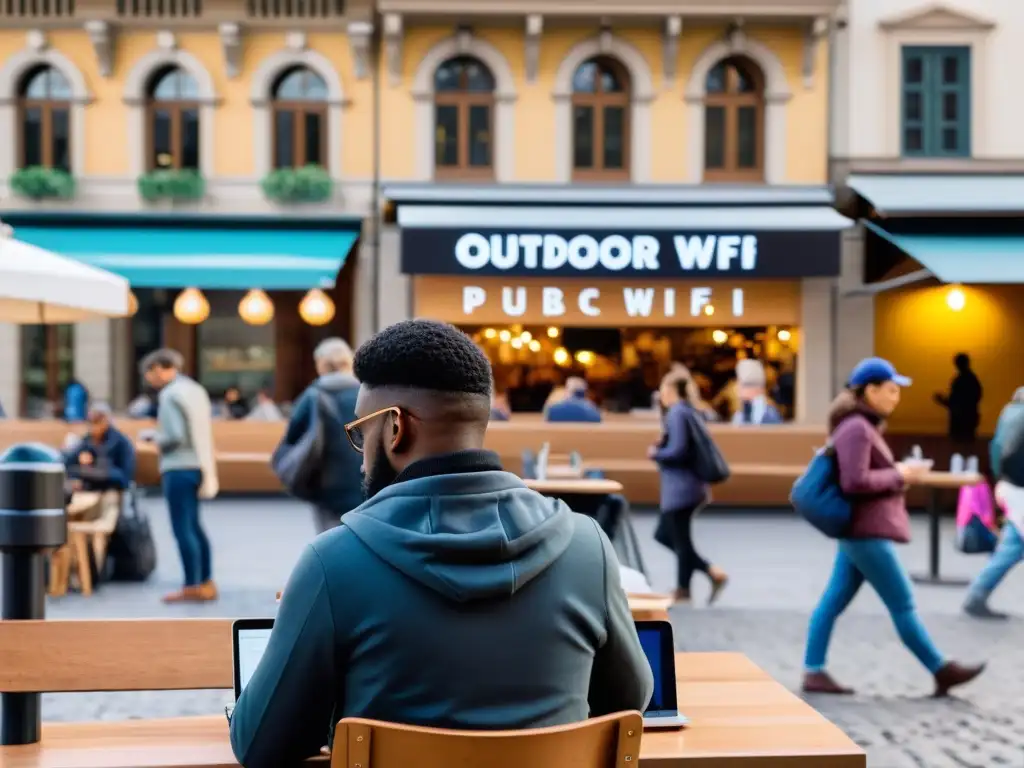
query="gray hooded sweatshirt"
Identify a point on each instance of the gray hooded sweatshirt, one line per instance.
(455, 598)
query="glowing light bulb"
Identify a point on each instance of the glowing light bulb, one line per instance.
(955, 299)
(784, 335)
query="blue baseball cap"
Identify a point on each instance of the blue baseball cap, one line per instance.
(875, 370)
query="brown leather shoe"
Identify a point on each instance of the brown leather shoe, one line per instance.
(200, 593)
(822, 682)
(952, 674)
(719, 579)
(207, 591)
(681, 597)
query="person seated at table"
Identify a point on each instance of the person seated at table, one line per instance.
(265, 408)
(754, 405)
(104, 459)
(455, 596)
(233, 406)
(575, 408)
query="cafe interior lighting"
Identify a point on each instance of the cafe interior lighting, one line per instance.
(316, 308)
(784, 335)
(505, 337)
(256, 308)
(553, 332)
(191, 307)
(585, 357)
(534, 346)
(517, 343)
(709, 310)
(955, 298)
(526, 336)
(719, 336)
(561, 356)
(133, 304)
(490, 333)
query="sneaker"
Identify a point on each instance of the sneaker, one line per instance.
(201, 593)
(952, 674)
(979, 610)
(823, 682)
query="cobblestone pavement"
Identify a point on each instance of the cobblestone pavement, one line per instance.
(778, 567)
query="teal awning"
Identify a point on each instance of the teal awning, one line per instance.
(177, 255)
(908, 194)
(963, 258)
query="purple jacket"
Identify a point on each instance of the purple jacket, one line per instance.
(868, 474)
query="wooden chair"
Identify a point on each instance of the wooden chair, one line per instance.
(612, 741)
(85, 537)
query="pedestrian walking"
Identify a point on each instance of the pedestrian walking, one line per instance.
(314, 460)
(188, 469)
(683, 493)
(1006, 452)
(876, 486)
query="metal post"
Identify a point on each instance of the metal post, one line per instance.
(32, 520)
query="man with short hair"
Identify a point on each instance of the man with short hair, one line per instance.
(104, 459)
(188, 468)
(575, 408)
(455, 597)
(331, 399)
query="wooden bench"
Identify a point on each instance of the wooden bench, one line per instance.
(741, 718)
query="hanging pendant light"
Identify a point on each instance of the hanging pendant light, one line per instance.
(256, 308)
(316, 308)
(191, 307)
(133, 304)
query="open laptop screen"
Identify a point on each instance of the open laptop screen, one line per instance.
(250, 641)
(656, 640)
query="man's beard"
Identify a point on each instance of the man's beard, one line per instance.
(381, 476)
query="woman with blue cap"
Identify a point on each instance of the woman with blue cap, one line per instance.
(876, 484)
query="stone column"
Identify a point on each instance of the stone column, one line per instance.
(814, 366)
(395, 288)
(10, 369)
(93, 357)
(855, 315)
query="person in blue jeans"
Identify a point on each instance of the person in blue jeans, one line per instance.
(1006, 452)
(876, 486)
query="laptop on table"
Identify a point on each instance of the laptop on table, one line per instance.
(250, 637)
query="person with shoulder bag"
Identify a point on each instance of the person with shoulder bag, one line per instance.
(314, 461)
(875, 485)
(683, 491)
(1007, 458)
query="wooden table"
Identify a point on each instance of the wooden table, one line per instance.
(935, 482)
(570, 486)
(740, 718)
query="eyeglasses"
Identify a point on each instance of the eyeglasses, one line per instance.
(354, 429)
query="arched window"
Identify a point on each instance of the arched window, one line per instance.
(173, 120)
(600, 120)
(463, 118)
(44, 101)
(300, 119)
(734, 122)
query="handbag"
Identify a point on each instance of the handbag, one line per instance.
(818, 499)
(705, 460)
(131, 554)
(975, 520)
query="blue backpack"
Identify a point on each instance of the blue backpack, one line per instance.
(817, 497)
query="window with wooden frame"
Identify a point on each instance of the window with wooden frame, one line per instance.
(463, 119)
(734, 122)
(600, 120)
(173, 121)
(47, 367)
(300, 119)
(936, 101)
(44, 107)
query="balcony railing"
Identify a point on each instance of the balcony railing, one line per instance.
(37, 9)
(23, 13)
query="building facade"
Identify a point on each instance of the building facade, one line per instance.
(927, 156)
(672, 159)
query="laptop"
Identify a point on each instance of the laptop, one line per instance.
(659, 647)
(250, 637)
(248, 642)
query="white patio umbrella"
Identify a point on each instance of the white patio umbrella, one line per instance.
(38, 286)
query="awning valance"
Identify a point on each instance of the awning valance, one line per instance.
(930, 194)
(179, 255)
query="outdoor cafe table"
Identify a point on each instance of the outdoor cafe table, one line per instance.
(935, 482)
(740, 718)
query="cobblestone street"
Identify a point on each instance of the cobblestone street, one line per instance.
(778, 567)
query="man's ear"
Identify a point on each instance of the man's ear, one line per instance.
(399, 436)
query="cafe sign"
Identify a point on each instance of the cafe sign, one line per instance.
(606, 304)
(683, 255)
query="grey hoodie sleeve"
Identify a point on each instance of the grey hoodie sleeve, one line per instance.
(621, 678)
(172, 428)
(287, 711)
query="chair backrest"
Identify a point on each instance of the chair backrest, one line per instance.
(612, 741)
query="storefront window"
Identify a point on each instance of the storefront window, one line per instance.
(47, 365)
(233, 353)
(624, 366)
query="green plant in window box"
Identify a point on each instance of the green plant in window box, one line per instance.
(39, 183)
(309, 184)
(172, 184)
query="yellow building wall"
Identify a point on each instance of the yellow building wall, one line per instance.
(920, 334)
(807, 110)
